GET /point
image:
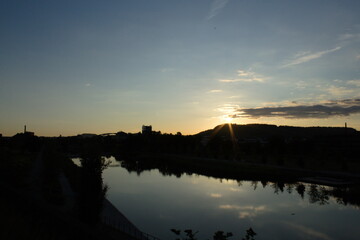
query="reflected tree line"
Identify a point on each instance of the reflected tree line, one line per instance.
(316, 194)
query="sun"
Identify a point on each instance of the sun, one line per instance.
(227, 112)
(227, 119)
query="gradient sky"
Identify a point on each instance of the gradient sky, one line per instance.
(70, 67)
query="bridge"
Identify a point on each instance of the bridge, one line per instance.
(107, 134)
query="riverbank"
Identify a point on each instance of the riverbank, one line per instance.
(27, 217)
(37, 206)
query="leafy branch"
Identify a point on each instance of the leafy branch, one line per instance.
(219, 235)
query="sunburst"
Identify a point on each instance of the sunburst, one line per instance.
(227, 119)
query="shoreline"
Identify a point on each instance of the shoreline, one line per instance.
(242, 170)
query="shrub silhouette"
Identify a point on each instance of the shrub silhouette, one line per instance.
(218, 235)
(93, 190)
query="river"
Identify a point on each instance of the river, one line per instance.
(156, 203)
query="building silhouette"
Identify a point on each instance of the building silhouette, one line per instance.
(27, 133)
(146, 130)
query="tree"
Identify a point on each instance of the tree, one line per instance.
(250, 234)
(190, 235)
(219, 235)
(93, 190)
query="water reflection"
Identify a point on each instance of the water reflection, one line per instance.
(317, 193)
(246, 211)
(157, 200)
(112, 162)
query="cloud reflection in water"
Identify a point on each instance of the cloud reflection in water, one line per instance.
(246, 211)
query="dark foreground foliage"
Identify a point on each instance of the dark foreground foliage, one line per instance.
(218, 235)
(93, 190)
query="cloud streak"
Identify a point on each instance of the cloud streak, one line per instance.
(309, 56)
(215, 91)
(354, 82)
(216, 7)
(245, 211)
(339, 91)
(330, 109)
(244, 76)
(349, 36)
(309, 231)
(215, 195)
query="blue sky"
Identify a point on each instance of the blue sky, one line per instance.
(69, 67)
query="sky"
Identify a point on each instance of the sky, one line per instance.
(86, 66)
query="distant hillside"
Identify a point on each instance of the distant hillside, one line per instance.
(266, 131)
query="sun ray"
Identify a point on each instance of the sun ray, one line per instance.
(233, 140)
(217, 129)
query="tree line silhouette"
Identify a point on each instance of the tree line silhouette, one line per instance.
(300, 147)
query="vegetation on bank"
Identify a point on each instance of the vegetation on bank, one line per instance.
(24, 218)
(33, 204)
(218, 235)
(15, 164)
(92, 190)
(329, 149)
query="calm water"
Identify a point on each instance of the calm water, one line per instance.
(157, 203)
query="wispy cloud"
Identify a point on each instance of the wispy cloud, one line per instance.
(339, 91)
(354, 82)
(215, 91)
(345, 36)
(349, 36)
(216, 7)
(236, 189)
(237, 207)
(245, 76)
(227, 108)
(215, 195)
(329, 109)
(302, 53)
(309, 231)
(301, 85)
(308, 56)
(245, 211)
(232, 80)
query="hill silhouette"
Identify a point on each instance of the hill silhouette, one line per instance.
(267, 130)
